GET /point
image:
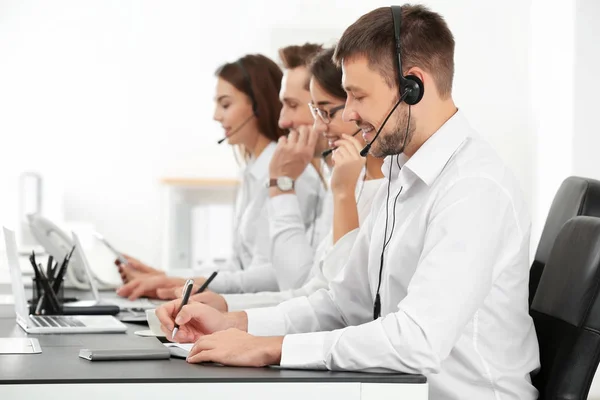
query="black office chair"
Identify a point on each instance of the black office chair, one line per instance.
(566, 313)
(576, 196)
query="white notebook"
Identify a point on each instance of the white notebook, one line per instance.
(179, 350)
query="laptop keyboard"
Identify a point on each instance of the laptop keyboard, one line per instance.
(132, 315)
(134, 311)
(55, 321)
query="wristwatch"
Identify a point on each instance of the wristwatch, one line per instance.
(283, 183)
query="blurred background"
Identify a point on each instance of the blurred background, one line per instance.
(110, 102)
(106, 106)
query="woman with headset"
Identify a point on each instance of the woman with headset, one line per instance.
(248, 108)
(354, 182)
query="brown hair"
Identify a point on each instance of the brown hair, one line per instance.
(327, 74)
(425, 40)
(264, 76)
(299, 56)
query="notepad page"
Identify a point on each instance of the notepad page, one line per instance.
(179, 350)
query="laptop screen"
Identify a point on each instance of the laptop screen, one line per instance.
(16, 279)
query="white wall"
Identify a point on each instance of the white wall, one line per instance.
(109, 96)
(551, 83)
(586, 144)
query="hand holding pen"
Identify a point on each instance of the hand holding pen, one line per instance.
(187, 291)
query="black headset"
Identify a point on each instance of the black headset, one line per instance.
(410, 83)
(411, 92)
(410, 86)
(249, 84)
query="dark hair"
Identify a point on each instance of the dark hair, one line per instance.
(265, 77)
(298, 56)
(327, 74)
(425, 40)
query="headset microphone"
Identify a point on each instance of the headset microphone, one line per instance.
(236, 130)
(250, 92)
(412, 89)
(327, 152)
(365, 150)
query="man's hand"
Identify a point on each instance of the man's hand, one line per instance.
(196, 320)
(293, 153)
(347, 165)
(147, 285)
(212, 299)
(134, 269)
(236, 348)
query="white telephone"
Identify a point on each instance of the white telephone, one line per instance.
(58, 244)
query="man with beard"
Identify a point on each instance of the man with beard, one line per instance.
(437, 282)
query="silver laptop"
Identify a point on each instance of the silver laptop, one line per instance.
(50, 323)
(130, 310)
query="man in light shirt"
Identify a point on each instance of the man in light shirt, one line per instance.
(437, 281)
(293, 248)
(354, 183)
(292, 242)
(292, 228)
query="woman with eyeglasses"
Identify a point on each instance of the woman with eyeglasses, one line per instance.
(353, 186)
(328, 100)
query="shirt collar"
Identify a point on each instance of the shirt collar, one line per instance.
(431, 158)
(259, 167)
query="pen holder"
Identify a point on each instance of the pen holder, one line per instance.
(37, 290)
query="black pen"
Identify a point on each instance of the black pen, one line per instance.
(60, 274)
(49, 268)
(34, 265)
(187, 291)
(38, 284)
(207, 282)
(48, 294)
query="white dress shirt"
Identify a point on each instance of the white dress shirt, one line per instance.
(329, 258)
(293, 247)
(250, 268)
(454, 291)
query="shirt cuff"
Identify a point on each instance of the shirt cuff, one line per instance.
(266, 322)
(304, 351)
(181, 273)
(235, 302)
(284, 205)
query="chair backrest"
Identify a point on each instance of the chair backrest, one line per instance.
(576, 196)
(566, 312)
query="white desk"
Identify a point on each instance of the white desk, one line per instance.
(58, 373)
(314, 389)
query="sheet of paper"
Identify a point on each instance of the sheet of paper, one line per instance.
(19, 346)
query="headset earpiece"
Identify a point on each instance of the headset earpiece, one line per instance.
(414, 85)
(409, 83)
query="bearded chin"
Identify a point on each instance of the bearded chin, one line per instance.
(394, 141)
